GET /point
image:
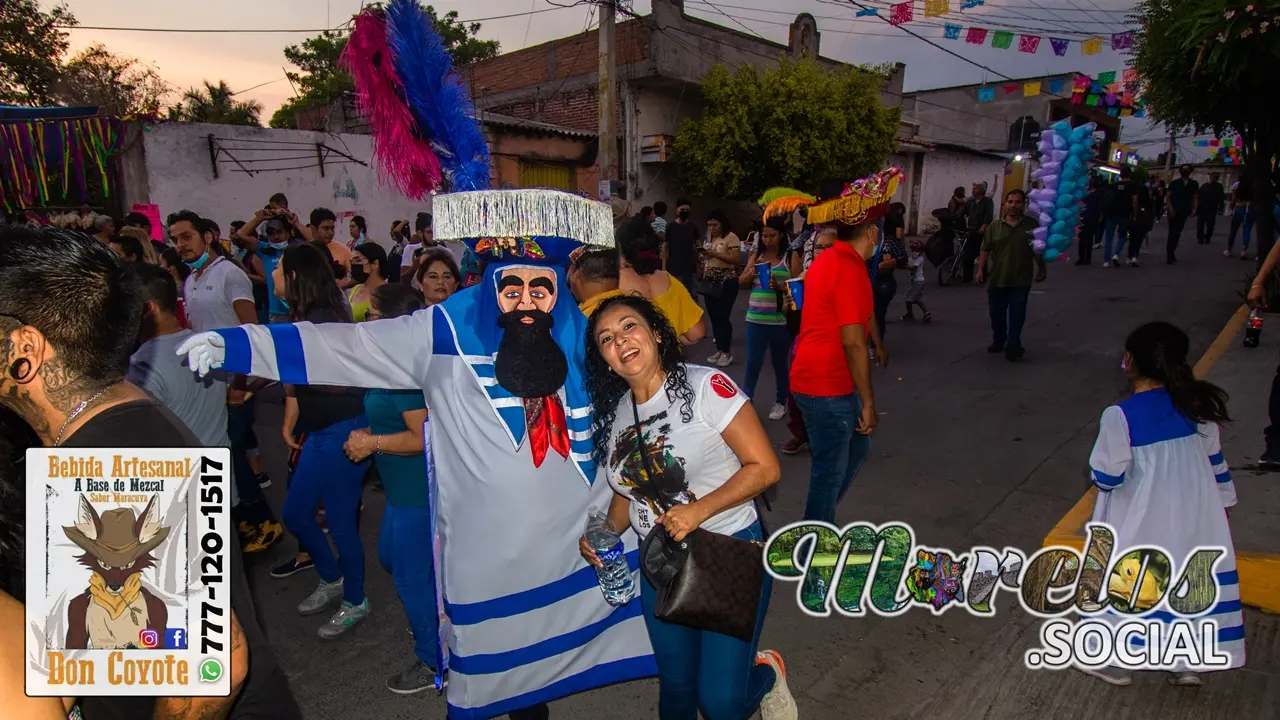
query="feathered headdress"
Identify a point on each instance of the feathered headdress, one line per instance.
(862, 200)
(424, 125)
(403, 155)
(783, 201)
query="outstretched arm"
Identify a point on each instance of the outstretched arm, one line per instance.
(392, 354)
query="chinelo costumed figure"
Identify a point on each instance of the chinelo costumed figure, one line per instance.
(509, 445)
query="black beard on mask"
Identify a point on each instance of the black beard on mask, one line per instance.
(529, 364)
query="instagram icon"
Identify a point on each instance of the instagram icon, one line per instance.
(149, 639)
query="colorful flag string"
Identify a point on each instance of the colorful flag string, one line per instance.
(42, 157)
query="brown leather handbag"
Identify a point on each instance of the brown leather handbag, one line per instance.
(708, 581)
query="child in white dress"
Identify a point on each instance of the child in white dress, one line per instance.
(1163, 481)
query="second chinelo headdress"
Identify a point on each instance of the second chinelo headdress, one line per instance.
(861, 201)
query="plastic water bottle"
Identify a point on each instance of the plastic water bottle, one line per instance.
(615, 575)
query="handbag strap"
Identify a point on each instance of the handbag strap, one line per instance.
(648, 471)
(644, 455)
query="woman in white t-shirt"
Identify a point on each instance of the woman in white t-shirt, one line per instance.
(699, 428)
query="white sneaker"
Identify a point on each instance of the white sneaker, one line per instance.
(725, 360)
(778, 704)
(1226, 253)
(778, 411)
(1115, 260)
(1106, 264)
(1133, 262)
(714, 358)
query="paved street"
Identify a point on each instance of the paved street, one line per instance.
(972, 450)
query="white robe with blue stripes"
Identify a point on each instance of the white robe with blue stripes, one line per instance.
(526, 621)
(1163, 482)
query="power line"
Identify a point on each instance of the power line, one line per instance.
(280, 30)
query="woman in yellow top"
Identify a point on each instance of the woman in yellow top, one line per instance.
(722, 254)
(369, 270)
(640, 272)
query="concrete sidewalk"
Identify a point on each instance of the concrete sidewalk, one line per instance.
(1000, 687)
(1245, 374)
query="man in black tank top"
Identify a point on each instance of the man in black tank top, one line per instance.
(69, 313)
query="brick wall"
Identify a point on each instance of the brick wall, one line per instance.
(568, 57)
(577, 109)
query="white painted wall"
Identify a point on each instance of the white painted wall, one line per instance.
(944, 171)
(180, 176)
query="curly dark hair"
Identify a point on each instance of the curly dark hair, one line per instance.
(607, 388)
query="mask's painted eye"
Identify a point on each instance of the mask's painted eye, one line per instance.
(104, 565)
(129, 566)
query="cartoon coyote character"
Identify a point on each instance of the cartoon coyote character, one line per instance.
(116, 607)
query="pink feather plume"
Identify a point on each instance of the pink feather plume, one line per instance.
(405, 159)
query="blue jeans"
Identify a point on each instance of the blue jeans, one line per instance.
(253, 507)
(1239, 216)
(1008, 308)
(405, 551)
(324, 474)
(775, 339)
(1113, 225)
(699, 669)
(838, 450)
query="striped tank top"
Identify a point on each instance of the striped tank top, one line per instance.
(762, 306)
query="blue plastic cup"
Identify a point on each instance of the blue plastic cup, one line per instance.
(763, 272)
(797, 292)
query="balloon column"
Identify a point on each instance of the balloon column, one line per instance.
(1064, 181)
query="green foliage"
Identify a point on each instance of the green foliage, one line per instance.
(319, 79)
(216, 104)
(1191, 56)
(1211, 65)
(794, 125)
(115, 84)
(31, 48)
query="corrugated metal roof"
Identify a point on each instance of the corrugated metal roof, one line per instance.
(490, 118)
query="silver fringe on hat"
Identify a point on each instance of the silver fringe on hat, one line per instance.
(522, 213)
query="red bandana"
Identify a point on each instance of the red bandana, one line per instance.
(545, 420)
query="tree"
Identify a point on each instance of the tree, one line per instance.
(31, 45)
(795, 125)
(115, 84)
(321, 80)
(1210, 65)
(216, 104)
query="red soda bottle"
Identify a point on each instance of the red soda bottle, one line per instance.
(1253, 329)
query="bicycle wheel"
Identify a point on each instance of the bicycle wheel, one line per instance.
(947, 271)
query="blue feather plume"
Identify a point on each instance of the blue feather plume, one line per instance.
(439, 100)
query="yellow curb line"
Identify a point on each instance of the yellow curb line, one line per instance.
(1259, 572)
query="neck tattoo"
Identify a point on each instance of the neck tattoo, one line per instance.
(79, 409)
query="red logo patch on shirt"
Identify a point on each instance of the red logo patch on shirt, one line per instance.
(723, 386)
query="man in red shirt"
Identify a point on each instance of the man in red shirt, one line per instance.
(831, 374)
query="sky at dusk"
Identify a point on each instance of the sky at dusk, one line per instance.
(247, 60)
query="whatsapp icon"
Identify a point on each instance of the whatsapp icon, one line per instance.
(210, 671)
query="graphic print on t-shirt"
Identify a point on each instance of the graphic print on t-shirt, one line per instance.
(723, 386)
(669, 476)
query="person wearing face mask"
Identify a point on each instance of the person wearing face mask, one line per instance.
(680, 251)
(368, 263)
(269, 249)
(831, 373)
(1163, 482)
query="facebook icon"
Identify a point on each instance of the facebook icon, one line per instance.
(175, 639)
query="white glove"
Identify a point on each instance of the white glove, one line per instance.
(205, 351)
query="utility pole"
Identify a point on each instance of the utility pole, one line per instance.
(607, 157)
(1168, 155)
